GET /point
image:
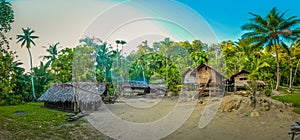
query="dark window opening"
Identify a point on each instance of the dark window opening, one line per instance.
(243, 79)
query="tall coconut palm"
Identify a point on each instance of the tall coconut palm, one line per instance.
(27, 40)
(272, 31)
(118, 42)
(122, 42)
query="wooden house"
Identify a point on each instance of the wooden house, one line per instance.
(239, 80)
(203, 73)
(203, 78)
(63, 96)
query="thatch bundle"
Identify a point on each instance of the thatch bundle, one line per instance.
(88, 94)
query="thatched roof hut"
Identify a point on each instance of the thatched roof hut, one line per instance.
(62, 95)
(204, 72)
(239, 79)
(197, 78)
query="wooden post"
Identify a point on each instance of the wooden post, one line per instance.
(76, 101)
(203, 88)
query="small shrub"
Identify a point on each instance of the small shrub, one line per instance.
(268, 92)
(246, 87)
(111, 91)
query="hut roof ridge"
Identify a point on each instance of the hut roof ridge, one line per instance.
(202, 65)
(61, 92)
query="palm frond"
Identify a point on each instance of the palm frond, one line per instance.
(289, 24)
(282, 15)
(31, 41)
(264, 64)
(285, 47)
(23, 43)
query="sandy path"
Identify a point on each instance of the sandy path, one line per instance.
(270, 125)
(273, 125)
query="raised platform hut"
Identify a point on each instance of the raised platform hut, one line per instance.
(203, 78)
(204, 73)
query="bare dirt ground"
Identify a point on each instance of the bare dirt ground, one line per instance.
(234, 120)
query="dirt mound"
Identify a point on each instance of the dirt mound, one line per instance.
(250, 106)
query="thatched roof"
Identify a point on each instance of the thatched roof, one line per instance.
(62, 92)
(241, 72)
(204, 65)
(231, 79)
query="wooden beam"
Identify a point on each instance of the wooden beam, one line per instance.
(203, 88)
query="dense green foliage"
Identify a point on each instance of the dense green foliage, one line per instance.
(272, 31)
(9, 67)
(6, 18)
(62, 66)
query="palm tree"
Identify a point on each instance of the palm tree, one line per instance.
(118, 42)
(166, 43)
(271, 31)
(53, 54)
(91, 41)
(27, 39)
(104, 59)
(122, 42)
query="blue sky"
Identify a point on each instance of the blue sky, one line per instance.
(227, 16)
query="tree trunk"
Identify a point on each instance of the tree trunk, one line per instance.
(278, 67)
(143, 70)
(291, 75)
(31, 75)
(295, 73)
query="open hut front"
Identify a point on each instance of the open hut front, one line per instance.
(204, 72)
(63, 96)
(203, 75)
(67, 106)
(238, 80)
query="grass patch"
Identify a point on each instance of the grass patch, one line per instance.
(297, 110)
(35, 122)
(296, 87)
(294, 99)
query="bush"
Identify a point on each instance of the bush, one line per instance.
(246, 87)
(11, 99)
(111, 91)
(268, 92)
